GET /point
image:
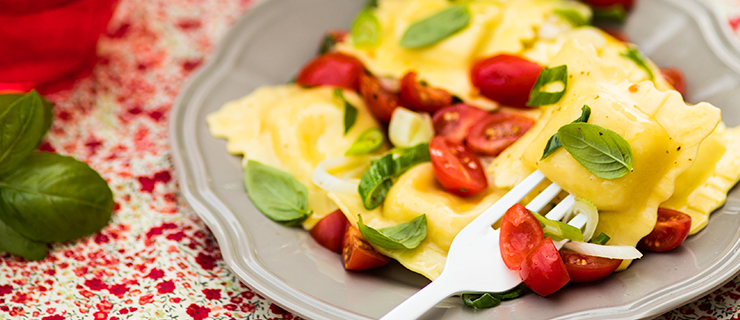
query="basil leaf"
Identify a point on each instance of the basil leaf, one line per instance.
(371, 4)
(601, 239)
(50, 197)
(541, 95)
(490, 299)
(554, 142)
(23, 126)
(376, 182)
(410, 157)
(601, 151)
(366, 30)
(14, 243)
(436, 27)
(637, 57)
(367, 142)
(350, 111)
(558, 230)
(612, 14)
(403, 236)
(574, 17)
(277, 194)
(8, 98)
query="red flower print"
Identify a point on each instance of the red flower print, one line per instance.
(205, 261)
(147, 298)
(198, 312)
(249, 294)
(165, 287)
(5, 289)
(96, 284)
(118, 290)
(247, 308)
(175, 300)
(686, 310)
(54, 317)
(177, 236)
(230, 307)
(20, 298)
(236, 300)
(212, 294)
(277, 310)
(105, 306)
(87, 294)
(99, 315)
(707, 318)
(155, 274)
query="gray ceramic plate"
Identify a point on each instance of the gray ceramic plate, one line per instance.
(270, 43)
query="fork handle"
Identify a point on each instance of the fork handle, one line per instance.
(423, 300)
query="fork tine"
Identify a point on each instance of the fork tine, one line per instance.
(495, 212)
(562, 208)
(544, 198)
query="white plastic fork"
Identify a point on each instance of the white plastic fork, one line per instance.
(474, 262)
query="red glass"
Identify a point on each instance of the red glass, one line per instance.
(45, 44)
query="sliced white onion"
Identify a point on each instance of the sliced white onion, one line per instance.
(324, 180)
(589, 210)
(408, 128)
(604, 251)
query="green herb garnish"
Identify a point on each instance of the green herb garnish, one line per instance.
(436, 27)
(554, 142)
(13, 242)
(637, 57)
(550, 86)
(601, 151)
(558, 230)
(403, 236)
(378, 179)
(573, 16)
(277, 194)
(366, 30)
(350, 111)
(612, 14)
(368, 141)
(490, 300)
(601, 239)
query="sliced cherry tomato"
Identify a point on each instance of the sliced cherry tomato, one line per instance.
(542, 270)
(505, 78)
(675, 77)
(670, 230)
(421, 97)
(334, 69)
(456, 168)
(358, 254)
(603, 4)
(519, 233)
(378, 99)
(583, 268)
(329, 231)
(454, 121)
(496, 131)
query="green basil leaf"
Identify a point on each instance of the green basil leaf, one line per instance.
(350, 111)
(23, 126)
(554, 142)
(50, 197)
(403, 236)
(8, 98)
(601, 151)
(601, 239)
(14, 243)
(558, 230)
(410, 157)
(490, 299)
(541, 94)
(371, 4)
(612, 14)
(573, 16)
(366, 30)
(276, 193)
(376, 182)
(436, 27)
(637, 57)
(367, 142)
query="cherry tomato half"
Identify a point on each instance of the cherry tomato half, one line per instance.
(454, 121)
(519, 233)
(334, 69)
(675, 77)
(379, 100)
(358, 254)
(542, 270)
(602, 4)
(583, 268)
(506, 79)
(496, 131)
(456, 168)
(670, 230)
(421, 97)
(329, 231)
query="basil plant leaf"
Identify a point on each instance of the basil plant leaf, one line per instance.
(491, 299)
(554, 142)
(14, 243)
(436, 27)
(376, 182)
(410, 157)
(403, 236)
(550, 86)
(558, 230)
(574, 17)
(23, 126)
(367, 142)
(276, 193)
(8, 98)
(350, 111)
(637, 57)
(366, 30)
(50, 198)
(601, 151)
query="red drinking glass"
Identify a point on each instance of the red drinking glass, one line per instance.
(47, 44)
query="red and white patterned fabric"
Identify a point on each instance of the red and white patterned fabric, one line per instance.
(156, 259)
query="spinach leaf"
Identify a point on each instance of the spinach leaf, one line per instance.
(23, 125)
(558, 230)
(637, 57)
(50, 197)
(554, 142)
(366, 30)
(403, 236)
(543, 93)
(14, 243)
(350, 111)
(436, 27)
(601, 151)
(277, 194)
(367, 142)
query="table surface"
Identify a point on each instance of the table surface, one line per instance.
(156, 258)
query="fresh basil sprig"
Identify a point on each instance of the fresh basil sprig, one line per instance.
(601, 239)
(601, 151)
(554, 142)
(436, 27)
(378, 179)
(558, 230)
(637, 57)
(541, 94)
(14, 243)
(573, 16)
(350, 111)
(366, 30)
(368, 141)
(490, 299)
(277, 194)
(23, 126)
(403, 236)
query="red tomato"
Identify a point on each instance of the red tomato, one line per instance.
(420, 97)
(505, 79)
(358, 254)
(675, 77)
(379, 100)
(583, 268)
(670, 230)
(333, 69)
(542, 270)
(519, 233)
(454, 121)
(496, 131)
(457, 169)
(330, 230)
(616, 33)
(602, 4)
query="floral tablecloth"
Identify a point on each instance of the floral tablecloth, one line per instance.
(156, 259)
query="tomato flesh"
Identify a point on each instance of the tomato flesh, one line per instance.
(457, 169)
(379, 100)
(333, 69)
(420, 97)
(542, 270)
(505, 78)
(603, 4)
(519, 233)
(669, 232)
(675, 78)
(496, 131)
(329, 231)
(454, 121)
(583, 268)
(358, 254)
